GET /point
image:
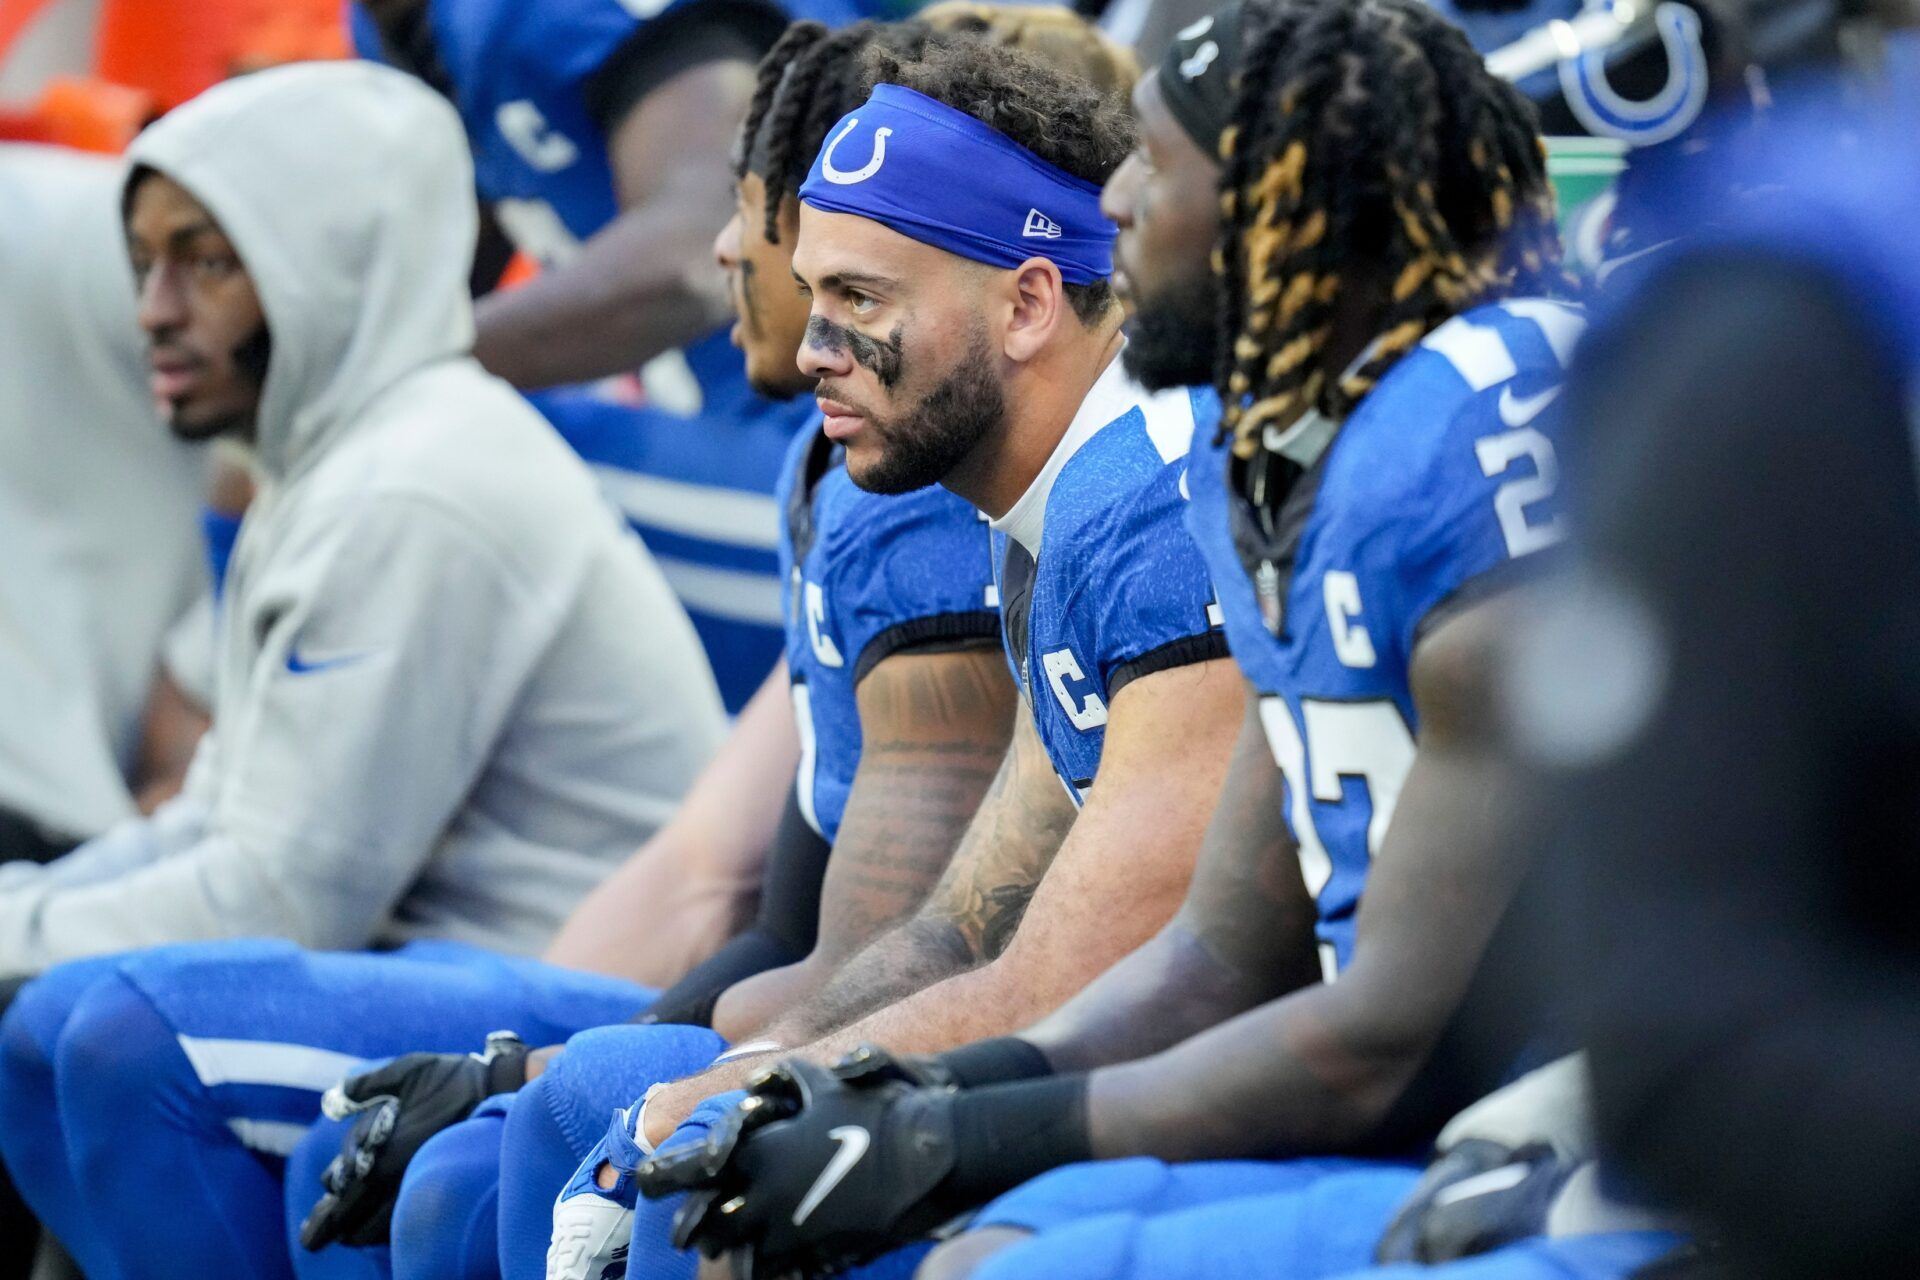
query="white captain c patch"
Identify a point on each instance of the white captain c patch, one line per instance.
(1085, 713)
(1351, 643)
(824, 649)
(541, 145)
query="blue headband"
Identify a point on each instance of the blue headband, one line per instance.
(941, 177)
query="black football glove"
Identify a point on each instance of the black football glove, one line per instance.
(816, 1170)
(1477, 1197)
(869, 1066)
(400, 1106)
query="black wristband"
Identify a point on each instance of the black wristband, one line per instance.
(506, 1066)
(1005, 1134)
(690, 1001)
(1001, 1060)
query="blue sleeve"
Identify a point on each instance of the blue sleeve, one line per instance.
(220, 530)
(921, 578)
(1152, 592)
(1490, 498)
(365, 34)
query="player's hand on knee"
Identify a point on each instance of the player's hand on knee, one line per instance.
(776, 1094)
(1476, 1197)
(400, 1105)
(593, 1216)
(813, 1172)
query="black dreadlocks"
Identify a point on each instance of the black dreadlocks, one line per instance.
(1365, 132)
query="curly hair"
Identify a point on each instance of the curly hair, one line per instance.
(1364, 132)
(1052, 33)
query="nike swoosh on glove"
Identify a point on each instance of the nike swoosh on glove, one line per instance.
(812, 1172)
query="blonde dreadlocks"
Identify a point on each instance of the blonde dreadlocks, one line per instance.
(1365, 131)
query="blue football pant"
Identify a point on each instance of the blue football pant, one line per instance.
(1303, 1219)
(560, 1117)
(1311, 1219)
(151, 1098)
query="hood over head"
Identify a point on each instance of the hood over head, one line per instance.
(347, 189)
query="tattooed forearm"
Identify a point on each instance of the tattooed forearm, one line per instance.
(910, 957)
(936, 728)
(1007, 849)
(883, 868)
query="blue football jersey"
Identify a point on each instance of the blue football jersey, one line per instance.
(694, 467)
(1098, 583)
(699, 490)
(866, 576)
(1441, 476)
(518, 73)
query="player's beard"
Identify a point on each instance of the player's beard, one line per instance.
(1172, 337)
(923, 444)
(250, 360)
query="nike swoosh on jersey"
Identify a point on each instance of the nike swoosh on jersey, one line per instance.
(1518, 411)
(298, 666)
(854, 1142)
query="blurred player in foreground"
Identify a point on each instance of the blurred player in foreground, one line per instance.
(1738, 724)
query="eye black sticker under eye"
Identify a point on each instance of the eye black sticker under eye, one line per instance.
(883, 359)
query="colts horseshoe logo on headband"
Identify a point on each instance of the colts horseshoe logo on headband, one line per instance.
(939, 176)
(844, 178)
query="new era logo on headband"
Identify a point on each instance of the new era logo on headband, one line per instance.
(1040, 227)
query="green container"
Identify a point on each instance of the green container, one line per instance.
(1582, 170)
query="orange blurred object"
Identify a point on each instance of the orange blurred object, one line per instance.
(150, 55)
(520, 269)
(173, 50)
(92, 114)
(15, 17)
(81, 112)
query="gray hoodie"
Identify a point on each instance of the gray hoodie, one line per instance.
(451, 691)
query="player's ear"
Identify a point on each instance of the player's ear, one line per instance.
(1038, 306)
